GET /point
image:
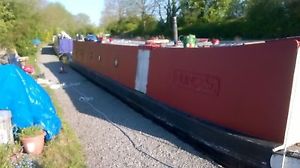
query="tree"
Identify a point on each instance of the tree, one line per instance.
(26, 26)
(269, 16)
(192, 11)
(118, 14)
(146, 10)
(172, 8)
(293, 8)
(7, 19)
(237, 9)
(124, 27)
(222, 18)
(23, 20)
(216, 10)
(205, 11)
(115, 10)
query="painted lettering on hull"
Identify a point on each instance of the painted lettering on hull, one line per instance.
(203, 83)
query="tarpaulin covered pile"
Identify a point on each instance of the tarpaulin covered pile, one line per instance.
(29, 102)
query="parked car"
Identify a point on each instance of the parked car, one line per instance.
(91, 37)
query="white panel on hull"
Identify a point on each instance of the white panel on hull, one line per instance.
(141, 79)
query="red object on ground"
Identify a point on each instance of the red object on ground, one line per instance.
(215, 41)
(28, 68)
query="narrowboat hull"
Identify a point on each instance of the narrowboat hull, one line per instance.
(232, 102)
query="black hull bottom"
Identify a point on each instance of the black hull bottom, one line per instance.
(226, 147)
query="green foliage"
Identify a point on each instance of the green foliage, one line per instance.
(133, 26)
(124, 27)
(191, 12)
(31, 131)
(21, 21)
(216, 10)
(7, 19)
(205, 10)
(25, 47)
(237, 9)
(293, 24)
(64, 152)
(215, 18)
(146, 26)
(6, 151)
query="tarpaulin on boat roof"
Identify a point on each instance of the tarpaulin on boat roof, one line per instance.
(28, 101)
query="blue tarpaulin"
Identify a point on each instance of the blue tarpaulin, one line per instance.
(28, 101)
(36, 42)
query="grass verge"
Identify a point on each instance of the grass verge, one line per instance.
(65, 150)
(6, 152)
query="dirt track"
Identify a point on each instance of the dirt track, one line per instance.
(112, 134)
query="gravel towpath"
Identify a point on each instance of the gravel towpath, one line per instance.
(111, 133)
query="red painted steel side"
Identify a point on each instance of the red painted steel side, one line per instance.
(101, 58)
(244, 88)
